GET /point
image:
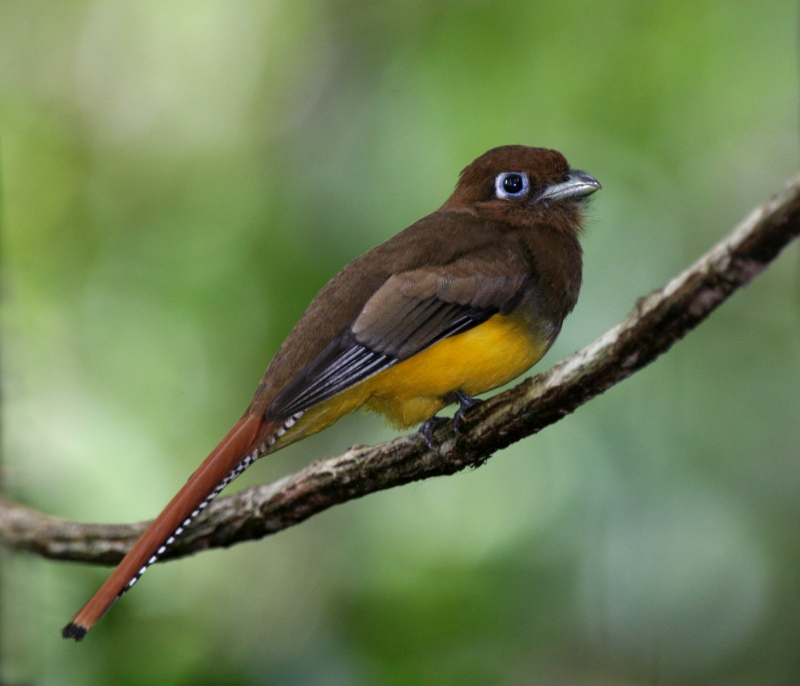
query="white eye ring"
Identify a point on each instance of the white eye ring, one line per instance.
(500, 185)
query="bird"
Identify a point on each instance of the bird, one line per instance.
(459, 303)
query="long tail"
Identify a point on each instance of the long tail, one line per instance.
(237, 451)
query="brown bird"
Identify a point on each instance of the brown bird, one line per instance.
(459, 303)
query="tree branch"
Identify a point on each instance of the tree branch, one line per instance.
(657, 321)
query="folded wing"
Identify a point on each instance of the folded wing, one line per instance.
(409, 313)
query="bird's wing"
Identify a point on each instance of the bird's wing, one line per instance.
(409, 313)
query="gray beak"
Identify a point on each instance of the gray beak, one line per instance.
(577, 185)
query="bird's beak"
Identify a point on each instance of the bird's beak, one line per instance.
(577, 185)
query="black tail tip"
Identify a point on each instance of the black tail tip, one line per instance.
(74, 631)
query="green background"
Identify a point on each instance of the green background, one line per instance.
(178, 181)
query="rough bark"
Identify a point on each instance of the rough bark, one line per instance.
(657, 321)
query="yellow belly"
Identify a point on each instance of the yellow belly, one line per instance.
(412, 391)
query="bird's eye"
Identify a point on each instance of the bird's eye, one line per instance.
(511, 185)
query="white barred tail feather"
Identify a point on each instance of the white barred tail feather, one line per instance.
(250, 438)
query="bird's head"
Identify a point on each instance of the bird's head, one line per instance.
(522, 185)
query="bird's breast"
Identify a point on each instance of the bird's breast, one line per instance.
(476, 361)
(412, 391)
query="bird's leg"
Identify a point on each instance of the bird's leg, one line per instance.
(465, 401)
(427, 429)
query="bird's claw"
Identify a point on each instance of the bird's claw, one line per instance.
(427, 429)
(465, 401)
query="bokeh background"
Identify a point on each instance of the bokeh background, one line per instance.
(178, 181)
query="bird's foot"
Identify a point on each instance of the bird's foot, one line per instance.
(465, 401)
(427, 429)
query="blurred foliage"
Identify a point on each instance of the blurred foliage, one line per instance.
(180, 178)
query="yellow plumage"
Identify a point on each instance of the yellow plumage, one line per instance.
(476, 361)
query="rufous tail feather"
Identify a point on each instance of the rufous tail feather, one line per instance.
(237, 451)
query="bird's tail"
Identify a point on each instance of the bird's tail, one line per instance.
(243, 444)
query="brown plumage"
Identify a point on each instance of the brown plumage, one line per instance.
(458, 303)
